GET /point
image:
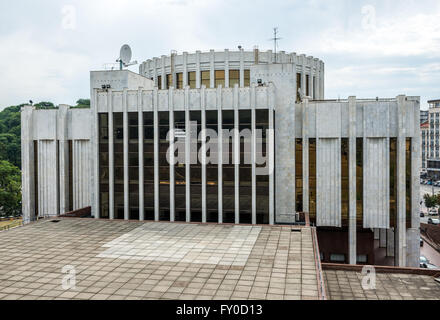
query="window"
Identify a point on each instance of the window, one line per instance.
(206, 79)
(337, 257)
(159, 82)
(307, 85)
(169, 81)
(234, 78)
(362, 258)
(219, 78)
(192, 79)
(247, 78)
(179, 80)
(298, 86)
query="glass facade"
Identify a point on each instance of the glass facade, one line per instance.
(118, 154)
(228, 168)
(245, 178)
(262, 181)
(299, 175)
(312, 180)
(148, 165)
(205, 78)
(192, 79)
(219, 78)
(179, 172)
(234, 78)
(164, 167)
(179, 80)
(212, 170)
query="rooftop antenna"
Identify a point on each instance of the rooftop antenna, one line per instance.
(275, 41)
(125, 57)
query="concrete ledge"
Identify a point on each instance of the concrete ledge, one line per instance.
(382, 269)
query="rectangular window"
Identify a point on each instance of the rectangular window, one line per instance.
(393, 181)
(362, 259)
(245, 167)
(298, 86)
(219, 78)
(119, 165)
(148, 165)
(337, 257)
(169, 80)
(192, 79)
(179, 168)
(212, 170)
(298, 174)
(179, 80)
(312, 180)
(133, 165)
(247, 78)
(228, 168)
(164, 167)
(359, 182)
(159, 82)
(205, 79)
(408, 182)
(307, 85)
(345, 191)
(234, 78)
(196, 173)
(262, 181)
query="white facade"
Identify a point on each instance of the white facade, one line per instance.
(272, 87)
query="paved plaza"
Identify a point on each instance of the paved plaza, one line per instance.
(148, 260)
(347, 285)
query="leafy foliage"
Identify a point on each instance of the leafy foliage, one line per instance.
(10, 189)
(82, 103)
(431, 201)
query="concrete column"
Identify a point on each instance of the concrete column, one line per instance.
(141, 153)
(220, 154)
(226, 68)
(303, 74)
(321, 86)
(400, 247)
(236, 146)
(187, 157)
(318, 79)
(253, 153)
(96, 208)
(63, 156)
(111, 157)
(352, 224)
(390, 242)
(305, 154)
(382, 238)
(125, 142)
(185, 69)
(164, 75)
(198, 74)
(212, 68)
(271, 153)
(203, 151)
(155, 65)
(27, 165)
(241, 68)
(156, 154)
(312, 84)
(171, 156)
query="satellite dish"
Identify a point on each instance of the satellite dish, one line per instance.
(125, 57)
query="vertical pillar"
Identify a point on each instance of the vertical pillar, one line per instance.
(312, 83)
(226, 68)
(27, 165)
(220, 153)
(305, 154)
(125, 144)
(212, 68)
(253, 153)
(271, 153)
(185, 69)
(141, 153)
(187, 157)
(303, 74)
(400, 245)
(96, 208)
(164, 75)
(390, 242)
(111, 157)
(382, 238)
(171, 155)
(321, 86)
(198, 72)
(236, 146)
(63, 154)
(352, 241)
(156, 153)
(241, 68)
(203, 151)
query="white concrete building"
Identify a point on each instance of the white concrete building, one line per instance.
(352, 165)
(432, 146)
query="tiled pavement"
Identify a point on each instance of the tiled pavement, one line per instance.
(135, 260)
(347, 285)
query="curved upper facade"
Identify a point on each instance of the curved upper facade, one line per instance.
(228, 68)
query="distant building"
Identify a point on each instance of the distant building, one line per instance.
(352, 164)
(424, 114)
(424, 130)
(432, 140)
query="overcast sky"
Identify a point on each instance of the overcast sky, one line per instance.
(370, 48)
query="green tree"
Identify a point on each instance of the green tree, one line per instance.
(10, 189)
(430, 201)
(82, 103)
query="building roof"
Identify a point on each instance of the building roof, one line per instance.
(131, 259)
(434, 101)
